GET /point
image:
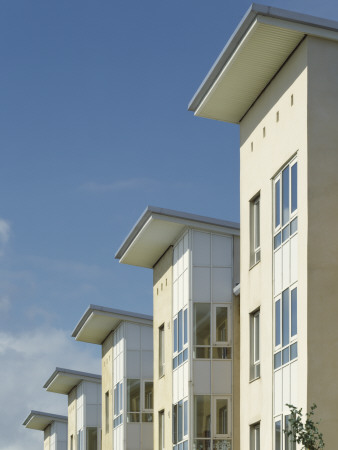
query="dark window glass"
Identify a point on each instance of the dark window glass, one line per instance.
(294, 312)
(285, 196)
(277, 323)
(277, 240)
(278, 435)
(185, 431)
(175, 335)
(180, 421)
(285, 316)
(278, 360)
(294, 187)
(185, 326)
(285, 233)
(180, 329)
(294, 226)
(285, 355)
(293, 351)
(277, 204)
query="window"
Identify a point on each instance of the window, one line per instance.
(71, 442)
(255, 241)
(80, 440)
(254, 345)
(212, 422)
(91, 441)
(255, 437)
(180, 422)
(212, 332)
(118, 404)
(285, 198)
(148, 400)
(133, 400)
(161, 430)
(286, 347)
(282, 440)
(290, 443)
(180, 338)
(161, 344)
(107, 411)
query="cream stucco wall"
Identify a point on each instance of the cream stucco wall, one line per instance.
(162, 295)
(261, 158)
(107, 386)
(322, 237)
(72, 418)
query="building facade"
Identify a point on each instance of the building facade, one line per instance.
(277, 79)
(195, 262)
(54, 429)
(127, 375)
(83, 391)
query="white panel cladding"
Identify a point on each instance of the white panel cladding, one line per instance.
(201, 250)
(286, 264)
(146, 338)
(286, 388)
(120, 437)
(92, 397)
(147, 364)
(278, 271)
(181, 382)
(147, 436)
(185, 379)
(119, 353)
(175, 386)
(294, 383)
(175, 297)
(186, 252)
(133, 437)
(202, 377)
(180, 257)
(91, 393)
(180, 293)
(181, 274)
(92, 415)
(79, 408)
(175, 263)
(52, 439)
(221, 284)
(133, 336)
(294, 258)
(201, 285)
(185, 288)
(133, 364)
(221, 377)
(221, 251)
(61, 445)
(278, 397)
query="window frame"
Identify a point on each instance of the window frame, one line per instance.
(161, 430)
(180, 334)
(253, 436)
(255, 229)
(144, 409)
(255, 371)
(161, 350)
(229, 416)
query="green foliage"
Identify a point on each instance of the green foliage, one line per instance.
(307, 433)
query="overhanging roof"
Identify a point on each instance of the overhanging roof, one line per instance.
(38, 420)
(62, 381)
(158, 228)
(258, 48)
(98, 321)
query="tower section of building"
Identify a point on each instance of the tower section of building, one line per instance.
(277, 79)
(196, 363)
(127, 374)
(54, 429)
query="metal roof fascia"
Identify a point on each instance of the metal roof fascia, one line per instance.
(53, 417)
(60, 370)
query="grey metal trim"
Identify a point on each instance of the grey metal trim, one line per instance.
(254, 11)
(237, 290)
(150, 210)
(120, 312)
(52, 417)
(83, 375)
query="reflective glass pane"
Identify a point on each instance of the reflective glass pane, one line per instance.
(185, 445)
(202, 352)
(147, 417)
(185, 326)
(91, 441)
(202, 324)
(256, 337)
(185, 354)
(293, 351)
(202, 444)
(277, 203)
(180, 331)
(175, 335)
(175, 424)
(277, 240)
(222, 416)
(148, 395)
(218, 444)
(294, 226)
(285, 317)
(180, 421)
(277, 323)
(278, 435)
(256, 224)
(133, 417)
(294, 312)
(180, 358)
(175, 362)
(116, 400)
(202, 416)
(294, 187)
(285, 355)
(221, 324)
(285, 233)
(277, 360)
(185, 429)
(285, 196)
(221, 352)
(133, 395)
(121, 396)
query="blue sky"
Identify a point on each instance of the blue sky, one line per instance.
(93, 128)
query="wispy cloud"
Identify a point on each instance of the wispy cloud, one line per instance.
(120, 185)
(27, 360)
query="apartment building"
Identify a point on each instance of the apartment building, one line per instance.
(127, 374)
(54, 429)
(277, 78)
(83, 391)
(195, 262)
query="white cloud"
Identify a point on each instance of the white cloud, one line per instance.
(27, 360)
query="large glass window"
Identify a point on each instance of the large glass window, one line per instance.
(255, 239)
(290, 443)
(180, 422)
(148, 395)
(202, 416)
(91, 441)
(133, 400)
(212, 321)
(118, 404)
(255, 436)
(221, 416)
(255, 344)
(180, 338)
(285, 197)
(161, 363)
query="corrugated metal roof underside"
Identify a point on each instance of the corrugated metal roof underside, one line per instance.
(258, 57)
